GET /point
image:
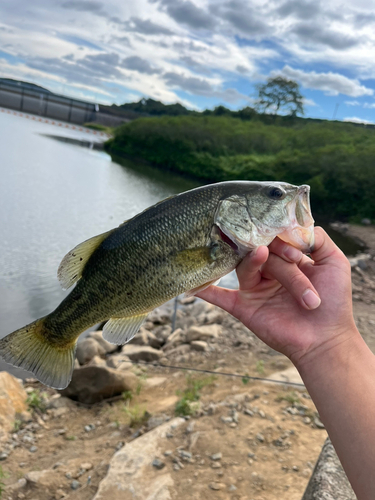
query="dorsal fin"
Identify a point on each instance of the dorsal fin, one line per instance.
(71, 267)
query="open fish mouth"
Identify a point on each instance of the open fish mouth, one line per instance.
(300, 233)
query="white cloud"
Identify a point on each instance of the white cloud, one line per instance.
(309, 102)
(369, 105)
(329, 83)
(352, 103)
(355, 119)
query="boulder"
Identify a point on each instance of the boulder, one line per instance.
(153, 340)
(97, 361)
(107, 346)
(162, 333)
(177, 338)
(12, 402)
(119, 362)
(92, 384)
(205, 332)
(131, 472)
(88, 349)
(181, 349)
(199, 345)
(141, 353)
(141, 338)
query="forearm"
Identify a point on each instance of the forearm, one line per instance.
(341, 382)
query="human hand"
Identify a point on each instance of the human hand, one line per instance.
(297, 305)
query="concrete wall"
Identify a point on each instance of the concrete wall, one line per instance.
(329, 481)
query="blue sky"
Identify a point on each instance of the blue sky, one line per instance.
(201, 53)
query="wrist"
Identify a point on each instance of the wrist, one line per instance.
(335, 350)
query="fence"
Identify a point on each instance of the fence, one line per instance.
(46, 104)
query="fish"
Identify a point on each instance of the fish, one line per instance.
(182, 244)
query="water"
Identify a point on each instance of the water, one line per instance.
(54, 195)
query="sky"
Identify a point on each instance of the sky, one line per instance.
(201, 53)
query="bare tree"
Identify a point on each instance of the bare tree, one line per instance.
(280, 93)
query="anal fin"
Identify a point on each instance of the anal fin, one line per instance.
(200, 288)
(120, 330)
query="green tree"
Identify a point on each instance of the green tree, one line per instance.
(280, 93)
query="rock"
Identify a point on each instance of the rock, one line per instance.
(216, 486)
(130, 470)
(177, 351)
(214, 316)
(217, 456)
(91, 384)
(119, 361)
(156, 420)
(154, 382)
(177, 337)
(97, 361)
(153, 340)
(141, 353)
(33, 449)
(141, 338)
(199, 345)
(59, 494)
(366, 221)
(205, 332)
(86, 466)
(162, 333)
(158, 464)
(87, 349)
(13, 488)
(45, 481)
(75, 484)
(61, 402)
(107, 346)
(12, 402)
(289, 375)
(319, 424)
(260, 437)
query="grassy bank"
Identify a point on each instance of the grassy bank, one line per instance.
(336, 159)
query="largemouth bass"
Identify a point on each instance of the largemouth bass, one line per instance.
(182, 244)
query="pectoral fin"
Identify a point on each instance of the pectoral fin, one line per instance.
(120, 330)
(200, 288)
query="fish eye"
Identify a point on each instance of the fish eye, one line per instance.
(276, 193)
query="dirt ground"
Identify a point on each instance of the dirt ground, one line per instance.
(269, 436)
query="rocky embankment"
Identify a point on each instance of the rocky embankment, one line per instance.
(127, 427)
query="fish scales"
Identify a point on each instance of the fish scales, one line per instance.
(183, 243)
(136, 267)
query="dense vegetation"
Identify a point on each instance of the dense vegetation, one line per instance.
(336, 159)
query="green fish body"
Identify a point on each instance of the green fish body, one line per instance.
(182, 244)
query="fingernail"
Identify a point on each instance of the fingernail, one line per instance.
(311, 299)
(293, 254)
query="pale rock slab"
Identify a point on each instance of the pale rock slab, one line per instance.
(131, 474)
(12, 402)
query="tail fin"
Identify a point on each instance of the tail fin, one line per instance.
(29, 349)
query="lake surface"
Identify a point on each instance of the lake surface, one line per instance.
(54, 195)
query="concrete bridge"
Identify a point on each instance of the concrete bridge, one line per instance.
(30, 98)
